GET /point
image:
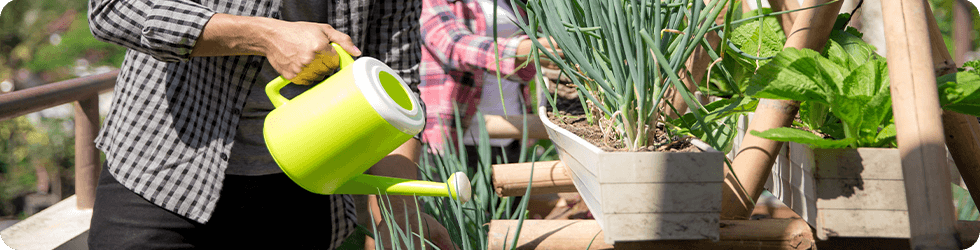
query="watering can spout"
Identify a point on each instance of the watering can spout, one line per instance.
(458, 186)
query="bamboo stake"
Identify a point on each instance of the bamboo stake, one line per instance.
(786, 20)
(962, 131)
(735, 234)
(550, 177)
(917, 121)
(753, 164)
(696, 66)
(579, 234)
(511, 126)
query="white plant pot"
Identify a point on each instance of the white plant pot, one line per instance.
(640, 196)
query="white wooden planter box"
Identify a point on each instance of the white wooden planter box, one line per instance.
(842, 192)
(639, 196)
(845, 192)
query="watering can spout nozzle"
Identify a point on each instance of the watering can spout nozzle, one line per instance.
(461, 187)
(458, 187)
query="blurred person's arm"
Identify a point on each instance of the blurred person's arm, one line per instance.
(448, 38)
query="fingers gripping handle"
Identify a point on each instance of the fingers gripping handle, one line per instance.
(272, 89)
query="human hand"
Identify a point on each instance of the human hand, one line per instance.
(301, 51)
(527, 45)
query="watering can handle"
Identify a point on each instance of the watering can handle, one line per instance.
(272, 89)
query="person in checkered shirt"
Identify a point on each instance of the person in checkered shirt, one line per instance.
(186, 165)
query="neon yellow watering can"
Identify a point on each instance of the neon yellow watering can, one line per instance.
(325, 138)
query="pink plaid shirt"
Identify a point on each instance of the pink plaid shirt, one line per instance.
(455, 54)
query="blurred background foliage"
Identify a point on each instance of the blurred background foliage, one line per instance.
(943, 10)
(43, 41)
(50, 38)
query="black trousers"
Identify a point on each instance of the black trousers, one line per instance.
(254, 212)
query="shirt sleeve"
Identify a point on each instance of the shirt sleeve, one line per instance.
(164, 29)
(456, 47)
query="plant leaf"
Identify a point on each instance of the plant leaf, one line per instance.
(864, 102)
(814, 114)
(731, 106)
(801, 75)
(972, 66)
(747, 37)
(799, 136)
(886, 137)
(848, 50)
(960, 92)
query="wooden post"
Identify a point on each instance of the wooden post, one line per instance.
(87, 165)
(579, 234)
(753, 164)
(919, 125)
(550, 177)
(962, 131)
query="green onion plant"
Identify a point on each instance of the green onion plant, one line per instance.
(623, 55)
(468, 224)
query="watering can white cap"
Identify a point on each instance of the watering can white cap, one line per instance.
(461, 184)
(367, 78)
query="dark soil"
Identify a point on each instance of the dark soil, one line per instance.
(572, 118)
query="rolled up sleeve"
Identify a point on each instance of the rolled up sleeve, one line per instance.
(166, 30)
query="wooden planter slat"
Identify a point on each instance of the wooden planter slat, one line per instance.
(845, 192)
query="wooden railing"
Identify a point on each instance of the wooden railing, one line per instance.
(84, 92)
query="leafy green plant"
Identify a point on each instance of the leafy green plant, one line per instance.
(750, 46)
(843, 92)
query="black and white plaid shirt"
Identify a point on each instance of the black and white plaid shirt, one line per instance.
(173, 118)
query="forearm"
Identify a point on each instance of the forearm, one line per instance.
(230, 35)
(299, 51)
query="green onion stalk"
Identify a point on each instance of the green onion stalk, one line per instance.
(623, 55)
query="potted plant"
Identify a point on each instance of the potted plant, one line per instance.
(622, 56)
(844, 175)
